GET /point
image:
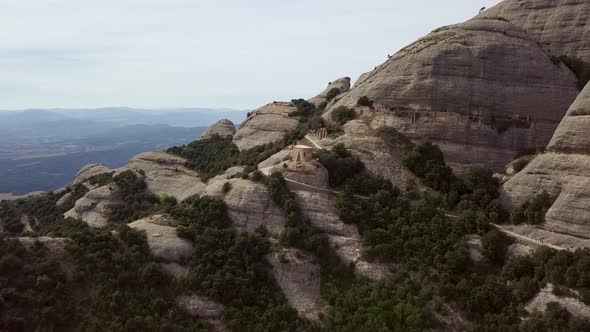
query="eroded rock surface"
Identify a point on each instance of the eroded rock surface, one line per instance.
(563, 171)
(482, 90)
(299, 277)
(94, 207)
(248, 205)
(162, 238)
(320, 209)
(574, 306)
(167, 174)
(200, 306)
(266, 125)
(223, 128)
(342, 84)
(89, 171)
(561, 26)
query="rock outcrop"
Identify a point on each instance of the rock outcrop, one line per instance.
(94, 207)
(343, 86)
(482, 90)
(248, 204)
(299, 278)
(561, 26)
(167, 174)
(89, 171)
(223, 128)
(563, 171)
(266, 125)
(379, 156)
(320, 209)
(311, 173)
(203, 307)
(162, 239)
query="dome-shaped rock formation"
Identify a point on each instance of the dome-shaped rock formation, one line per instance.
(267, 124)
(482, 90)
(563, 171)
(561, 26)
(223, 128)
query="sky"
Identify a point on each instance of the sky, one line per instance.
(214, 53)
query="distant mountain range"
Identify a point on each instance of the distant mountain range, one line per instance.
(43, 149)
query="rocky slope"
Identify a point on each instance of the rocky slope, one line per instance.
(563, 171)
(343, 86)
(482, 90)
(267, 124)
(561, 26)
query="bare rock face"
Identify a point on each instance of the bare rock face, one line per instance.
(482, 90)
(299, 278)
(167, 174)
(320, 209)
(311, 173)
(563, 171)
(248, 205)
(545, 296)
(89, 171)
(561, 26)
(200, 306)
(223, 128)
(162, 238)
(94, 207)
(266, 125)
(378, 156)
(275, 159)
(342, 84)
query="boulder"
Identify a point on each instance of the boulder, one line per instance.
(483, 90)
(311, 172)
(167, 174)
(563, 171)
(299, 277)
(266, 125)
(342, 84)
(94, 207)
(223, 128)
(560, 26)
(162, 239)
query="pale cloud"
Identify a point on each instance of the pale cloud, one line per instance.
(164, 53)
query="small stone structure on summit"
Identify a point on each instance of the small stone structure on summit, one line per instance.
(302, 153)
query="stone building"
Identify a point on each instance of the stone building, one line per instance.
(302, 153)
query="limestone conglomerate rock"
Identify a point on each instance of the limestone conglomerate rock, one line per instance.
(162, 238)
(167, 174)
(94, 207)
(299, 278)
(311, 172)
(561, 26)
(275, 159)
(483, 90)
(89, 171)
(376, 154)
(248, 204)
(342, 84)
(200, 306)
(563, 172)
(223, 128)
(320, 209)
(266, 125)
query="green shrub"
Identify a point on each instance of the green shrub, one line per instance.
(365, 101)
(520, 164)
(226, 187)
(332, 94)
(343, 114)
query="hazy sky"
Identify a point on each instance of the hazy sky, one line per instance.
(214, 53)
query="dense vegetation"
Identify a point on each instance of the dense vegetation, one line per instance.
(33, 290)
(128, 290)
(136, 201)
(231, 268)
(39, 210)
(343, 114)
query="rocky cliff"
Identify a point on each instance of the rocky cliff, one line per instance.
(563, 171)
(560, 26)
(482, 90)
(267, 124)
(223, 128)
